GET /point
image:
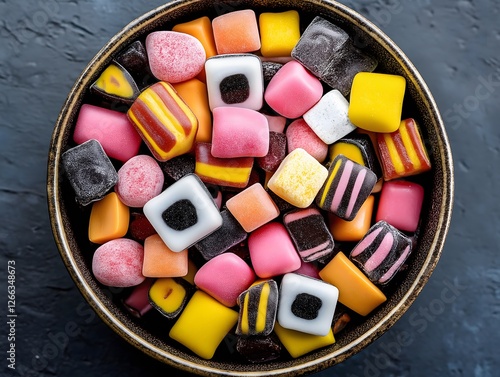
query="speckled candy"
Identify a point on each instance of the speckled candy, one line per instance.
(118, 263)
(300, 135)
(139, 180)
(174, 57)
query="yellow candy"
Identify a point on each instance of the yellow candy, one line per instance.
(114, 81)
(298, 178)
(167, 296)
(377, 101)
(109, 219)
(351, 151)
(298, 343)
(279, 33)
(356, 291)
(203, 324)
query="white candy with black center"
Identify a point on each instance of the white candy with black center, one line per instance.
(306, 304)
(328, 118)
(235, 80)
(184, 213)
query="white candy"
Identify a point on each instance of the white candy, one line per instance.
(184, 213)
(306, 304)
(241, 76)
(328, 118)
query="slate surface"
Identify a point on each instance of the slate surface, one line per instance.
(44, 45)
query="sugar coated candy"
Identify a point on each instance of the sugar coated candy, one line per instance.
(109, 219)
(300, 135)
(402, 152)
(139, 180)
(116, 84)
(184, 213)
(269, 69)
(309, 233)
(174, 57)
(348, 186)
(89, 171)
(235, 80)
(356, 291)
(258, 307)
(166, 124)
(228, 235)
(298, 178)
(203, 324)
(328, 118)
(239, 132)
(272, 251)
(104, 125)
(179, 166)
(377, 101)
(252, 207)
(160, 261)
(168, 296)
(279, 32)
(118, 263)
(400, 204)
(306, 304)
(382, 252)
(293, 91)
(236, 32)
(232, 172)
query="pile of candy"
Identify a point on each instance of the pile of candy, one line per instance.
(257, 172)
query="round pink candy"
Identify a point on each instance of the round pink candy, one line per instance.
(140, 179)
(300, 135)
(118, 263)
(174, 57)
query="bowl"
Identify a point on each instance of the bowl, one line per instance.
(69, 221)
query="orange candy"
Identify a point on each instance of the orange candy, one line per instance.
(354, 230)
(356, 291)
(252, 207)
(109, 219)
(236, 32)
(160, 261)
(194, 93)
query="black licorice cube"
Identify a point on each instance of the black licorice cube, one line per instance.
(89, 171)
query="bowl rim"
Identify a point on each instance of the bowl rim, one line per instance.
(385, 323)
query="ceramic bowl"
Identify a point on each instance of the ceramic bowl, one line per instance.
(70, 222)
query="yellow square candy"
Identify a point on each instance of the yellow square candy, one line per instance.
(203, 324)
(298, 178)
(109, 219)
(279, 33)
(377, 101)
(298, 343)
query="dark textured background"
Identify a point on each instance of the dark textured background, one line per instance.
(44, 45)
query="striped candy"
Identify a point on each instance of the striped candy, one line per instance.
(258, 306)
(233, 172)
(164, 121)
(402, 152)
(382, 252)
(347, 187)
(309, 233)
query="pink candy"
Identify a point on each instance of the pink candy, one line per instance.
(139, 180)
(239, 132)
(300, 135)
(293, 90)
(118, 263)
(174, 57)
(112, 129)
(224, 277)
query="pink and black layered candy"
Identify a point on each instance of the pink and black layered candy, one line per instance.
(309, 233)
(381, 252)
(347, 187)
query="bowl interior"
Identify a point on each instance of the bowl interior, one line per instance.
(70, 221)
